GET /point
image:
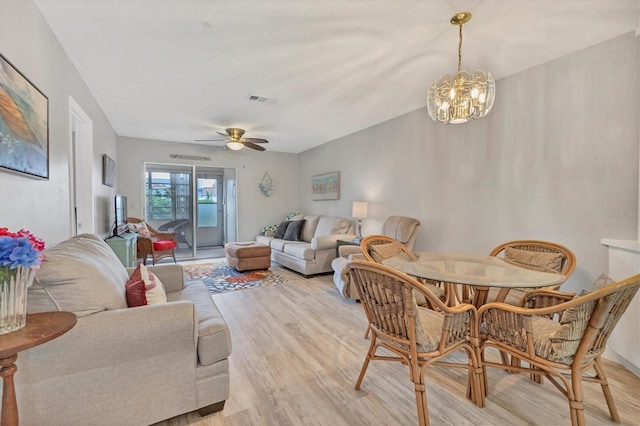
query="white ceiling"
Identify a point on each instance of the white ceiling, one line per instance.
(180, 70)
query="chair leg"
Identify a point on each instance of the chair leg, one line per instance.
(366, 333)
(608, 396)
(421, 394)
(370, 354)
(576, 405)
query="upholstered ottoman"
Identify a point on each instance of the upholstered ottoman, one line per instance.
(248, 256)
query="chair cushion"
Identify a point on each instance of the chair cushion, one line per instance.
(380, 252)
(534, 259)
(164, 244)
(428, 329)
(559, 341)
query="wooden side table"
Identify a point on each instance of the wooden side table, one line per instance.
(40, 328)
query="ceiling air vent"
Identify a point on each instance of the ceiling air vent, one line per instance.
(190, 157)
(261, 99)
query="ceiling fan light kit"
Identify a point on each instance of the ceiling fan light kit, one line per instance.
(465, 95)
(236, 142)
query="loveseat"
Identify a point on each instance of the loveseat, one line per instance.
(311, 251)
(120, 365)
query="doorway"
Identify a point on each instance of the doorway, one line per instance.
(192, 202)
(80, 170)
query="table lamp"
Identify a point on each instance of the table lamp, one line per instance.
(359, 212)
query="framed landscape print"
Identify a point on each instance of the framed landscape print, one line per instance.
(326, 186)
(24, 124)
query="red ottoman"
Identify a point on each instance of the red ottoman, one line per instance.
(248, 256)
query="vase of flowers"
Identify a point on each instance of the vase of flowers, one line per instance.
(20, 256)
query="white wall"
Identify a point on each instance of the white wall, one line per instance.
(255, 210)
(42, 206)
(555, 156)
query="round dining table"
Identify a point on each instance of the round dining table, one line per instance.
(481, 272)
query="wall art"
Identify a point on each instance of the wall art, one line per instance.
(24, 124)
(326, 186)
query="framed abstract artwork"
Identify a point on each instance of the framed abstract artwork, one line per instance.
(24, 124)
(326, 186)
(108, 170)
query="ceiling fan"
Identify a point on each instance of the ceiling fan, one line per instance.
(236, 142)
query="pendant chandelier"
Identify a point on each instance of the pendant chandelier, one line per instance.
(455, 100)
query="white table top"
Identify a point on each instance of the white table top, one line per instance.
(470, 269)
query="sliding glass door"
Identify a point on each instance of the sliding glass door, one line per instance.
(192, 202)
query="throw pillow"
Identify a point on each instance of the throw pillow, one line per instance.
(142, 278)
(155, 292)
(282, 229)
(534, 259)
(136, 293)
(139, 228)
(294, 230)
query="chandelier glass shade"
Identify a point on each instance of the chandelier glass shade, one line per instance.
(463, 96)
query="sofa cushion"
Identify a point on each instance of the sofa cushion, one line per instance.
(80, 275)
(282, 229)
(328, 225)
(278, 244)
(309, 228)
(294, 230)
(214, 338)
(263, 239)
(301, 250)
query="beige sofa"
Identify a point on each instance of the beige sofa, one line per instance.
(317, 248)
(119, 365)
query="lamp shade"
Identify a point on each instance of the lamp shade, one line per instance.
(360, 209)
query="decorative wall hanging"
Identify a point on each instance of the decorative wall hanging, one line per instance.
(24, 124)
(267, 185)
(326, 186)
(108, 170)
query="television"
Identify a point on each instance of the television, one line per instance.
(120, 204)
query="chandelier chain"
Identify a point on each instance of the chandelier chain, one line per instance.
(460, 50)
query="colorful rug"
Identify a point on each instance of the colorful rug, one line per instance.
(220, 277)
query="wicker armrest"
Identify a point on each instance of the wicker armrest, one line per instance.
(544, 298)
(165, 235)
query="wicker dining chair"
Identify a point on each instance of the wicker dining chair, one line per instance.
(377, 248)
(556, 333)
(532, 254)
(158, 245)
(416, 336)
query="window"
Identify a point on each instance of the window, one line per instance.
(168, 195)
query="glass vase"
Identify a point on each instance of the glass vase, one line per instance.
(13, 297)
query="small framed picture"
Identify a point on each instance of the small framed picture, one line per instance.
(108, 170)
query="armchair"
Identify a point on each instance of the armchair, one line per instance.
(158, 245)
(560, 336)
(401, 228)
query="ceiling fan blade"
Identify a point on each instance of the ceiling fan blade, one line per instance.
(255, 140)
(222, 134)
(209, 140)
(253, 145)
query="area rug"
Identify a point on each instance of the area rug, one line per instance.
(220, 277)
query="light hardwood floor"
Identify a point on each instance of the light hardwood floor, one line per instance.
(298, 348)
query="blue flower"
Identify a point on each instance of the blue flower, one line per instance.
(16, 252)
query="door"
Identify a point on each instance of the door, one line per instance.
(81, 170)
(209, 208)
(168, 203)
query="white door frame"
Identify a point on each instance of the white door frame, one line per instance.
(82, 217)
